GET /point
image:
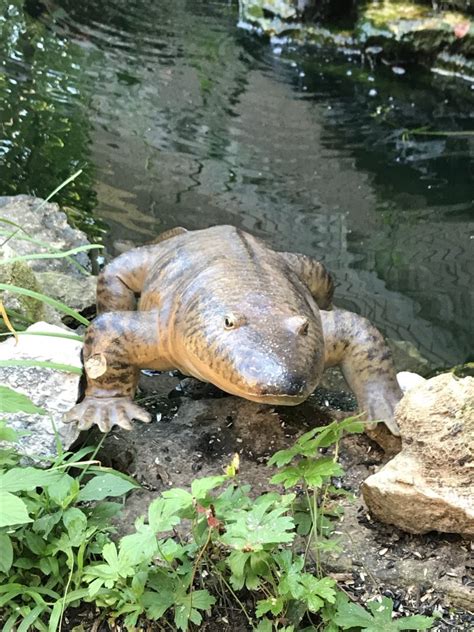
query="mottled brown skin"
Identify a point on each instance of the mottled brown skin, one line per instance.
(220, 305)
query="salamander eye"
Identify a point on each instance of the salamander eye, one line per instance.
(230, 321)
(234, 321)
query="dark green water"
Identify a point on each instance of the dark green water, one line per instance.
(179, 117)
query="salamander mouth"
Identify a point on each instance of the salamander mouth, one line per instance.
(270, 396)
(293, 391)
(275, 400)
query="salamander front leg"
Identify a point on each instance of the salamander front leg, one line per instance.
(352, 342)
(117, 345)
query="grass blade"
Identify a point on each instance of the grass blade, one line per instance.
(45, 299)
(49, 334)
(42, 364)
(51, 255)
(58, 188)
(43, 244)
(30, 618)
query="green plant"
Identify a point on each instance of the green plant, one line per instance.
(194, 548)
(49, 527)
(237, 547)
(377, 617)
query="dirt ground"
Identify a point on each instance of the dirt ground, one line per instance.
(197, 429)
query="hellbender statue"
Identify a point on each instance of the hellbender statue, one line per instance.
(220, 305)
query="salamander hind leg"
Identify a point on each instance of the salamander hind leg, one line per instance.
(314, 275)
(352, 342)
(116, 345)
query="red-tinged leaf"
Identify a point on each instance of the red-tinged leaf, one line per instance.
(462, 28)
(213, 522)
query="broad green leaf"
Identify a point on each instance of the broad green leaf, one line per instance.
(414, 622)
(6, 433)
(157, 603)
(250, 530)
(309, 442)
(187, 607)
(303, 522)
(324, 587)
(138, 547)
(36, 544)
(312, 472)
(179, 499)
(100, 514)
(110, 555)
(162, 514)
(274, 605)
(64, 490)
(200, 599)
(139, 582)
(12, 402)
(105, 485)
(75, 522)
(237, 561)
(13, 511)
(170, 550)
(290, 583)
(265, 625)
(26, 479)
(6, 553)
(200, 486)
(46, 523)
(352, 615)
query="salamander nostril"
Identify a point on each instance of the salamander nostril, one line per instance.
(303, 330)
(298, 325)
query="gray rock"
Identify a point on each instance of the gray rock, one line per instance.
(54, 390)
(47, 225)
(77, 292)
(46, 230)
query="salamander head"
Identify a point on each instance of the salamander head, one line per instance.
(256, 351)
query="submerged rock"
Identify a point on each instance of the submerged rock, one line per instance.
(392, 29)
(54, 390)
(429, 486)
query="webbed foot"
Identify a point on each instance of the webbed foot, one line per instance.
(106, 412)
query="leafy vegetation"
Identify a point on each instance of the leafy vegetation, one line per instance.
(194, 549)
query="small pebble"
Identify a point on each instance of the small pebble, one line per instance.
(398, 70)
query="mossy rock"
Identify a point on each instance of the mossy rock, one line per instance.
(21, 309)
(401, 29)
(398, 25)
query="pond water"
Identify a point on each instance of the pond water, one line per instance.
(178, 117)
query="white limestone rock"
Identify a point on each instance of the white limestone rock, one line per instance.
(56, 391)
(429, 485)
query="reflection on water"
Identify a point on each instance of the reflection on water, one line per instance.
(183, 119)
